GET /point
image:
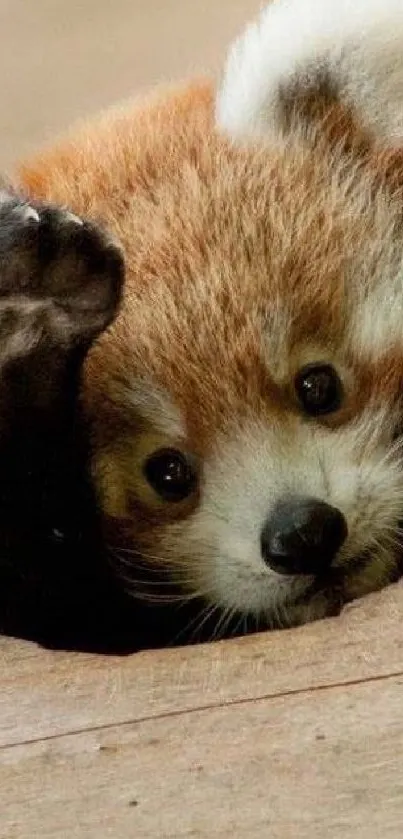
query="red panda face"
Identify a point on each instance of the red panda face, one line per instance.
(246, 405)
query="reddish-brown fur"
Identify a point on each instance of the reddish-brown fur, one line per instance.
(215, 235)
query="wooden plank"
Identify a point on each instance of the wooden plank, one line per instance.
(44, 694)
(325, 763)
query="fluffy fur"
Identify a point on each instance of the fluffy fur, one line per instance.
(355, 44)
(261, 232)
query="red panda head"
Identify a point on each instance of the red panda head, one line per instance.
(246, 405)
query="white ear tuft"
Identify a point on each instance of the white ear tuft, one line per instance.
(357, 44)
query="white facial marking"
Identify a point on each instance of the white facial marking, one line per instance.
(259, 467)
(376, 325)
(156, 407)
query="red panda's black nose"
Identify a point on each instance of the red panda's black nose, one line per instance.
(302, 536)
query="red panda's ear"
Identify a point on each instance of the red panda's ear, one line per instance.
(303, 57)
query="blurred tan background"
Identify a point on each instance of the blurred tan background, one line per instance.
(61, 59)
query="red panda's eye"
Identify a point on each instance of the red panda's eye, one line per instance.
(319, 389)
(171, 474)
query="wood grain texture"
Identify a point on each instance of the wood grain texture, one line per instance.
(44, 694)
(286, 735)
(322, 763)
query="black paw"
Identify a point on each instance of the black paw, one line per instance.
(58, 268)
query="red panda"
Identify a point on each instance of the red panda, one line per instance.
(246, 405)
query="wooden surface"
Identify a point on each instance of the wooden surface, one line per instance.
(284, 735)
